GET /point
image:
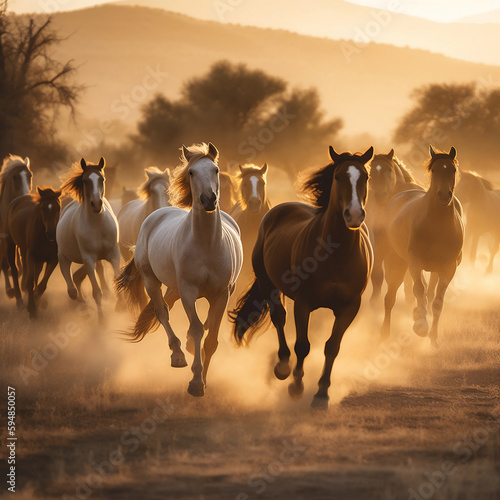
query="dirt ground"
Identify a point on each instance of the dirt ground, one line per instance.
(100, 418)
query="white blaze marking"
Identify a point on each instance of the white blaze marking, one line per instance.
(94, 177)
(379, 167)
(354, 174)
(254, 180)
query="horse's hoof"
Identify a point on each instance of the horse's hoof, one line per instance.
(190, 345)
(282, 370)
(296, 389)
(196, 389)
(319, 403)
(10, 293)
(435, 343)
(421, 327)
(72, 294)
(178, 360)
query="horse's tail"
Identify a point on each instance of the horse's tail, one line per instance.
(130, 282)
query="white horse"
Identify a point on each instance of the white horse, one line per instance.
(87, 231)
(153, 195)
(195, 253)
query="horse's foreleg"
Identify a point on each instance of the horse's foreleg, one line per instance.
(301, 314)
(65, 266)
(420, 325)
(42, 286)
(29, 270)
(343, 318)
(89, 264)
(394, 275)
(431, 288)
(9, 290)
(102, 278)
(11, 257)
(78, 277)
(153, 288)
(493, 252)
(437, 305)
(377, 276)
(215, 314)
(189, 294)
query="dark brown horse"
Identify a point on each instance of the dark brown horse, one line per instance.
(482, 206)
(426, 234)
(32, 222)
(388, 177)
(319, 256)
(248, 213)
(15, 180)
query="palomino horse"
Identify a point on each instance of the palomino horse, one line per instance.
(248, 212)
(32, 222)
(482, 206)
(388, 176)
(318, 256)
(15, 180)
(153, 195)
(87, 231)
(426, 234)
(195, 253)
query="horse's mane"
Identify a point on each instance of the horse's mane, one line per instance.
(430, 160)
(180, 187)
(404, 170)
(144, 190)
(73, 180)
(9, 165)
(470, 174)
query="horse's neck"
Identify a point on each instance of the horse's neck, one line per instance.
(435, 210)
(206, 227)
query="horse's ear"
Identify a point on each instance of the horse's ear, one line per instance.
(83, 163)
(241, 168)
(213, 152)
(40, 190)
(58, 193)
(333, 154)
(453, 153)
(167, 172)
(27, 162)
(367, 155)
(149, 174)
(186, 153)
(264, 168)
(391, 154)
(431, 151)
(102, 163)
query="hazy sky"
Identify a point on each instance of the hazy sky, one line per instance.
(437, 10)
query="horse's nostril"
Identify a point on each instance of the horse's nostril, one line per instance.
(347, 214)
(214, 197)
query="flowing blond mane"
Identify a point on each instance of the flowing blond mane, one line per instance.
(152, 175)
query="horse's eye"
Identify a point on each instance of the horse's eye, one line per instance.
(217, 170)
(191, 173)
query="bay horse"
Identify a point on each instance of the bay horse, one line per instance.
(87, 231)
(195, 253)
(32, 222)
(482, 205)
(426, 234)
(253, 204)
(318, 255)
(15, 180)
(388, 177)
(152, 196)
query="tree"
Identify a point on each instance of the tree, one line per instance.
(461, 115)
(34, 86)
(250, 115)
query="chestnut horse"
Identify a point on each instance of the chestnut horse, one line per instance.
(32, 222)
(388, 176)
(426, 233)
(482, 205)
(318, 256)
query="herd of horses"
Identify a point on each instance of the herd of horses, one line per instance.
(197, 233)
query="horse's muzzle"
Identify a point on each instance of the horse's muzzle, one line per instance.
(209, 204)
(96, 206)
(354, 219)
(254, 204)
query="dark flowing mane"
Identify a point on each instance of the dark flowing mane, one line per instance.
(180, 187)
(73, 180)
(316, 188)
(471, 175)
(404, 170)
(152, 175)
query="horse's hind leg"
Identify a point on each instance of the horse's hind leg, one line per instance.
(377, 276)
(215, 314)
(302, 346)
(431, 288)
(394, 274)
(78, 277)
(437, 305)
(9, 289)
(343, 318)
(189, 294)
(102, 278)
(493, 252)
(153, 288)
(11, 256)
